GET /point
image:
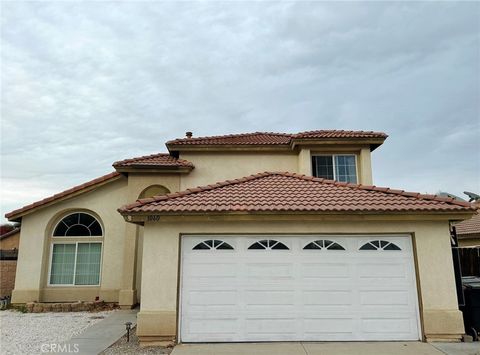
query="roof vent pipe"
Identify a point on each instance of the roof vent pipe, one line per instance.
(189, 134)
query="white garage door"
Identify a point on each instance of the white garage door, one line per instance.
(297, 288)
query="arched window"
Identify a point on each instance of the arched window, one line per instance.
(268, 244)
(323, 244)
(76, 251)
(379, 245)
(154, 190)
(78, 225)
(213, 245)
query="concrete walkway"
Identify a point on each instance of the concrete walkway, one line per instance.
(344, 348)
(101, 335)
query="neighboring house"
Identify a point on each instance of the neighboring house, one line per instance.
(468, 236)
(468, 231)
(287, 239)
(9, 242)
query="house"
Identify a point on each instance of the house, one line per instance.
(468, 231)
(8, 260)
(468, 236)
(250, 237)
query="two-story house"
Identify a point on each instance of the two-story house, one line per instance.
(250, 237)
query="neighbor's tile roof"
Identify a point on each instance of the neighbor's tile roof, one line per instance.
(154, 160)
(469, 227)
(90, 184)
(285, 192)
(270, 138)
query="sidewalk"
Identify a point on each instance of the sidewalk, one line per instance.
(100, 336)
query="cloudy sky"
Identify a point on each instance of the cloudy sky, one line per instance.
(84, 84)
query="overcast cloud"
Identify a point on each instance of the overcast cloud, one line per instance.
(86, 84)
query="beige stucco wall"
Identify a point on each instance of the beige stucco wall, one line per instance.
(211, 167)
(34, 250)
(440, 316)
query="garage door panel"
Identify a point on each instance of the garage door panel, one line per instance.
(212, 298)
(323, 325)
(327, 298)
(325, 270)
(270, 326)
(269, 271)
(269, 297)
(212, 270)
(297, 294)
(384, 298)
(386, 325)
(382, 271)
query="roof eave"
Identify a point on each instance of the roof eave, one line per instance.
(16, 215)
(374, 143)
(172, 148)
(154, 216)
(154, 169)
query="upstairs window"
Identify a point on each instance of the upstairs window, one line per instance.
(335, 167)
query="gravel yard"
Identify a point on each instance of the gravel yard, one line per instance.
(133, 347)
(24, 333)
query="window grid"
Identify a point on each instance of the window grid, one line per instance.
(379, 245)
(79, 224)
(335, 167)
(95, 267)
(213, 244)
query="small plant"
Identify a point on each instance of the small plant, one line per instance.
(20, 308)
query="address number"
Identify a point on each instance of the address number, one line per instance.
(153, 218)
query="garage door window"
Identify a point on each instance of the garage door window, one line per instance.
(269, 244)
(323, 244)
(379, 245)
(213, 245)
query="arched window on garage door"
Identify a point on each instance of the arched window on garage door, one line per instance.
(268, 244)
(76, 251)
(213, 244)
(323, 244)
(379, 245)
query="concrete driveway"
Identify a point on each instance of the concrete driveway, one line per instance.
(345, 348)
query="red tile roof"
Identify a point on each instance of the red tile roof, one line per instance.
(288, 192)
(85, 186)
(154, 160)
(340, 134)
(469, 227)
(256, 138)
(269, 138)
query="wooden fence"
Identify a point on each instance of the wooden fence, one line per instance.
(470, 261)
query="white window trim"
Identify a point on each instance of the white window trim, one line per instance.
(334, 164)
(74, 265)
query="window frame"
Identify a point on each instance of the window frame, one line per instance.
(75, 263)
(334, 164)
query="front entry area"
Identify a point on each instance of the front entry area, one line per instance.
(255, 288)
